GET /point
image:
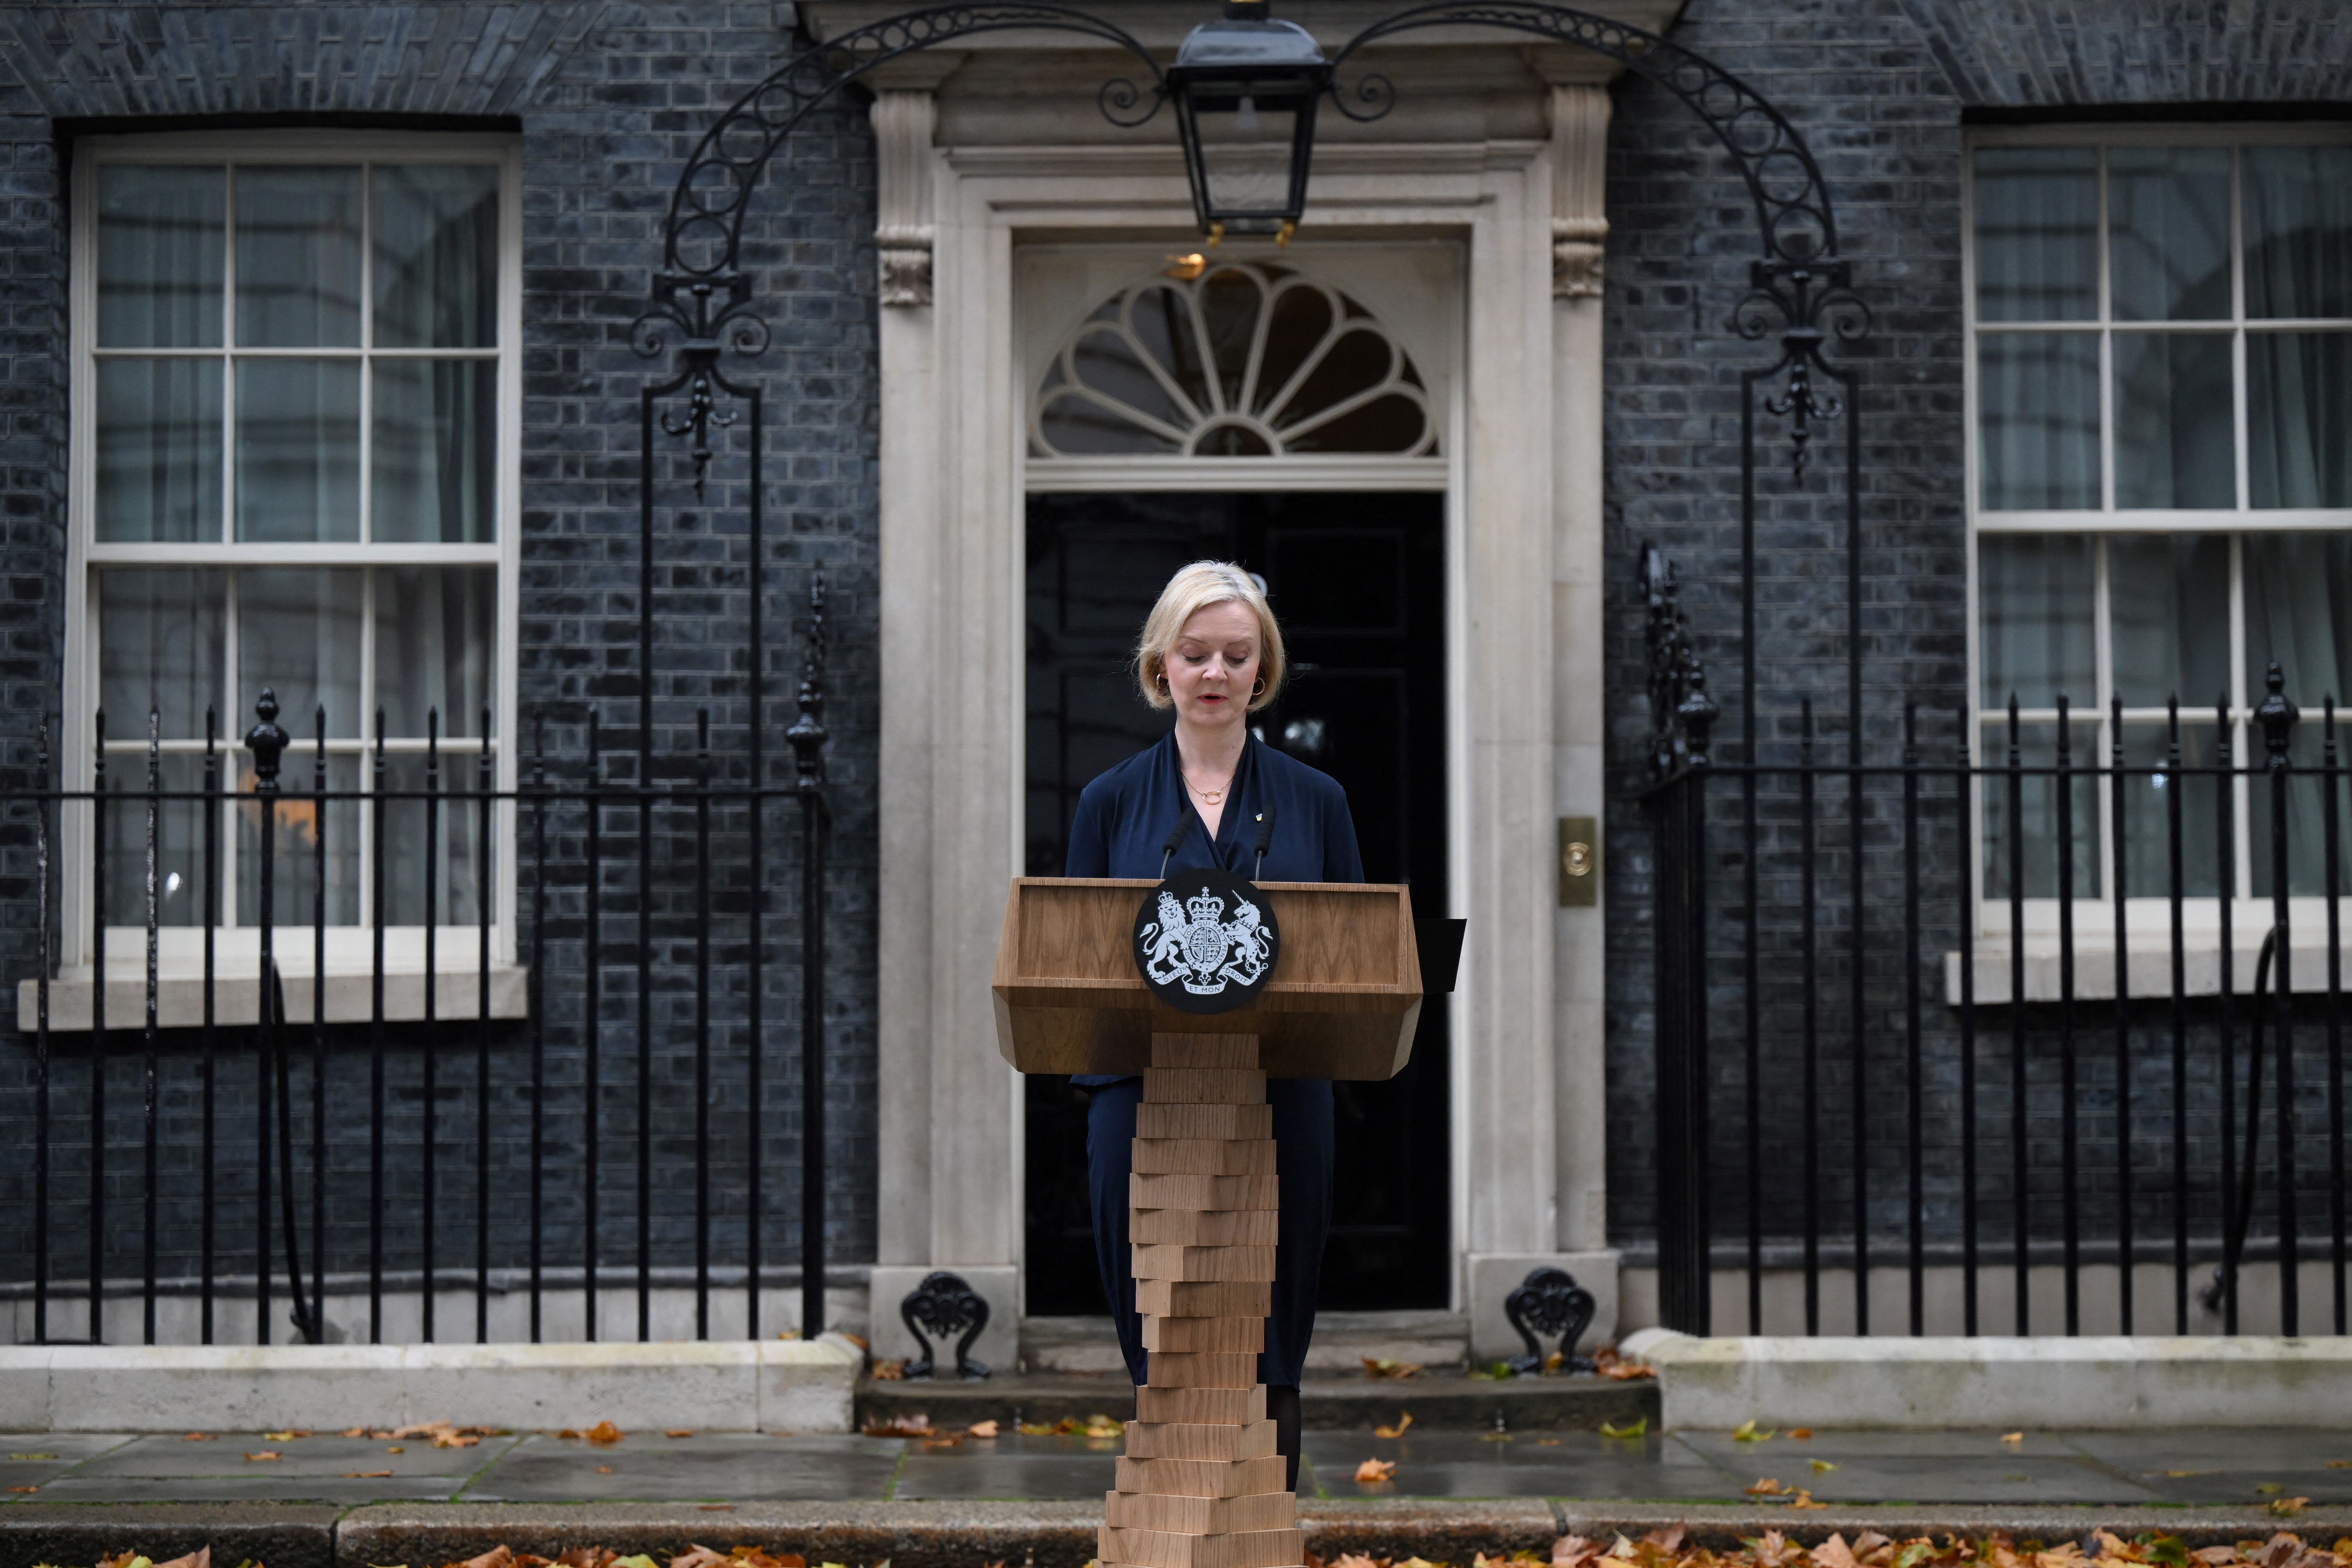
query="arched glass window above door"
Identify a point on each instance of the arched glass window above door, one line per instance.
(1248, 360)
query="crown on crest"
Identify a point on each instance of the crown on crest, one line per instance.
(1204, 906)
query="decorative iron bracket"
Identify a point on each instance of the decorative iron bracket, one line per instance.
(1549, 1301)
(945, 1304)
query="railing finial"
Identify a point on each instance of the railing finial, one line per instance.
(267, 740)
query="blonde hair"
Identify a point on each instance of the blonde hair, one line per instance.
(1194, 589)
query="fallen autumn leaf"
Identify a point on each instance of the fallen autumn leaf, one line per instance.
(265, 1454)
(1374, 1471)
(1403, 1420)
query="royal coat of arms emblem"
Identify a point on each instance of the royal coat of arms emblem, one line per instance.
(1205, 942)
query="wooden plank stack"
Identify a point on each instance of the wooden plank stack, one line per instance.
(1200, 1484)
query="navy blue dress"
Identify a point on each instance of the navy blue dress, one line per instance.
(1123, 822)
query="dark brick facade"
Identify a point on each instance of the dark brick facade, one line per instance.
(1882, 90)
(607, 100)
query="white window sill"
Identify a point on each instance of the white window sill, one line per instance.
(2149, 965)
(349, 999)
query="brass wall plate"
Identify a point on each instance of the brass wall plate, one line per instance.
(1579, 862)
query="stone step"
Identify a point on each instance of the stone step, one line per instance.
(1437, 1401)
(1342, 1341)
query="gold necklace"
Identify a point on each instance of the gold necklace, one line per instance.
(1210, 796)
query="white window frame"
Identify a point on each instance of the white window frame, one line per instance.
(350, 949)
(2148, 917)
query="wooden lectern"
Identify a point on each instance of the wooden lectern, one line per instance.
(1200, 1484)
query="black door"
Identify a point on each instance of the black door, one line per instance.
(1358, 584)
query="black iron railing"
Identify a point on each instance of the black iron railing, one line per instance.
(1899, 1024)
(640, 926)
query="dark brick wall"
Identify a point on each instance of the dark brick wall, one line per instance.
(1880, 88)
(609, 100)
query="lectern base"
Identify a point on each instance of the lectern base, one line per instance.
(1200, 1484)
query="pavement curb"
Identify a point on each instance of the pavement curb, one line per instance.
(938, 1534)
(282, 1535)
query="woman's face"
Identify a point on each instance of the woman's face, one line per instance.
(1214, 665)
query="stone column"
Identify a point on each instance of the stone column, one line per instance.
(1580, 135)
(949, 1186)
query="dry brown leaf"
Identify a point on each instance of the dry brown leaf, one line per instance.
(1834, 1553)
(567, 1432)
(1403, 1420)
(365, 1475)
(24, 1488)
(1773, 1549)
(2217, 1555)
(197, 1438)
(604, 1469)
(983, 1429)
(1805, 1500)
(679, 1432)
(2286, 1506)
(264, 1455)
(201, 1557)
(857, 1340)
(498, 1556)
(605, 1432)
(889, 1371)
(587, 1557)
(1766, 1485)
(1669, 1539)
(1573, 1552)
(1800, 1433)
(2012, 1436)
(700, 1556)
(1374, 1471)
(1387, 1367)
(353, 1432)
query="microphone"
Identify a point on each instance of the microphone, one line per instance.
(1265, 837)
(1183, 826)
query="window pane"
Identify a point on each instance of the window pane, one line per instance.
(434, 453)
(2147, 826)
(160, 646)
(2036, 810)
(180, 891)
(2168, 614)
(2037, 233)
(455, 841)
(2306, 828)
(2174, 445)
(295, 870)
(2299, 613)
(159, 245)
(2037, 420)
(2298, 217)
(297, 258)
(298, 450)
(2298, 412)
(436, 646)
(299, 633)
(158, 450)
(2035, 594)
(2168, 232)
(436, 256)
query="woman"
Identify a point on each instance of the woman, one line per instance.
(1212, 652)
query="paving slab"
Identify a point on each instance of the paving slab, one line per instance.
(713, 1468)
(2223, 1466)
(1963, 1466)
(172, 1458)
(1440, 1398)
(1490, 1465)
(1015, 1466)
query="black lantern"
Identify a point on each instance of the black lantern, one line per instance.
(1246, 87)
